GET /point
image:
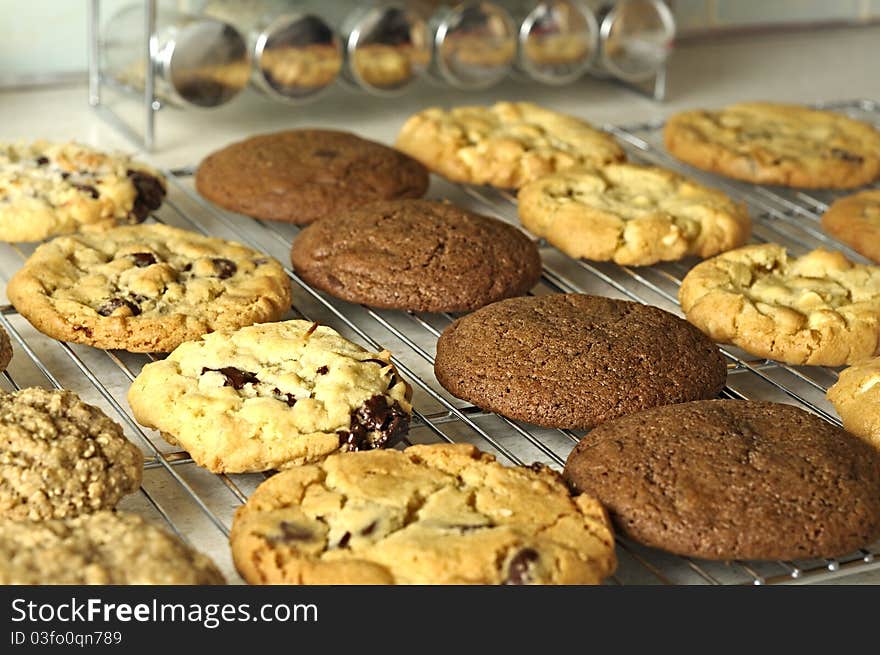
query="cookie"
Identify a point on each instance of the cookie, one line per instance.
(505, 145)
(856, 397)
(417, 255)
(819, 309)
(98, 549)
(770, 143)
(855, 220)
(271, 396)
(733, 479)
(146, 288)
(61, 457)
(300, 175)
(5, 350)
(633, 215)
(47, 189)
(437, 514)
(575, 361)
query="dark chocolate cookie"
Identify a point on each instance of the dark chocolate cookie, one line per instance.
(575, 361)
(301, 175)
(733, 479)
(418, 255)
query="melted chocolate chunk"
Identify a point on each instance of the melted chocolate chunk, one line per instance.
(289, 398)
(518, 571)
(42, 161)
(388, 423)
(235, 378)
(291, 532)
(143, 259)
(344, 541)
(224, 268)
(87, 188)
(187, 268)
(149, 194)
(323, 370)
(845, 155)
(115, 303)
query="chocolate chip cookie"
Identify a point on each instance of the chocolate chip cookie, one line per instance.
(770, 143)
(61, 457)
(47, 189)
(856, 397)
(733, 479)
(819, 309)
(98, 549)
(855, 220)
(505, 145)
(301, 175)
(146, 288)
(575, 361)
(632, 215)
(438, 514)
(417, 255)
(271, 396)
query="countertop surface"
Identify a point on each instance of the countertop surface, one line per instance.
(810, 66)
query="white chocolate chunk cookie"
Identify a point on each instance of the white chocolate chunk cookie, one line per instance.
(856, 397)
(270, 396)
(47, 189)
(98, 549)
(819, 309)
(630, 214)
(437, 514)
(505, 145)
(770, 143)
(146, 288)
(61, 457)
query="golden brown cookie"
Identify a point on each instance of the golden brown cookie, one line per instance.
(771, 143)
(630, 214)
(438, 514)
(855, 220)
(819, 309)
(505, 145)
(856, 397)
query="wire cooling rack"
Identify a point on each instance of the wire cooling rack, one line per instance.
(199, 506)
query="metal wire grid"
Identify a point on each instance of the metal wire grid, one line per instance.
(198, 505)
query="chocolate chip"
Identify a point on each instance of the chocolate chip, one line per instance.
(344, 541)
(187, 268)
(236, 378)
(289, 398)
(325, 153)
(291, 532)
(224, 268)
(518, 571)
(312, 329)
(87, 188)
(143, 259)
(115, 303)
(367, 531)
(387, 423)
(149, 194)
(65, 175)
(537, 467)
(42, 161)
(845, 155)
(323, 370)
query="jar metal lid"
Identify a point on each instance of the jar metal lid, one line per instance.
(474, 45)
(636, 39)
(557, 41)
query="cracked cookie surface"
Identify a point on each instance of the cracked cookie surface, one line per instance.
(856, 397)
(300, 175)
(271, 396)
(435, 514)
(61, 457)
(98, 549)
(146, 288)
(505, 145)
(819, 309)
(632, 215)
(770, 143)
(574, 361)
(47, 189)
(855, 220)
(733, 479)
(416, 255)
